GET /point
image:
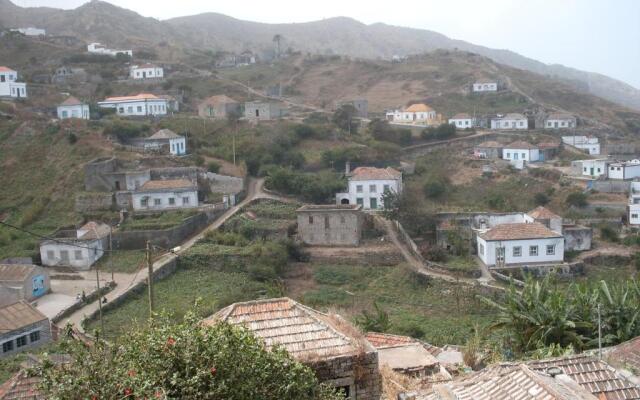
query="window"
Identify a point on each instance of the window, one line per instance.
(310, 219)
(21, 341)
(524, 156)
(144, 202)
(360, 201)
(185, 200)
(172, 201)
(481, 249)
(130, 109)
(34, 336)
(64, 114)
(533, 251)
(634, 216)
(51, 255)
(585, 169)
(344, 391)
(373, 202)
(121, 110)
(64, 255)
(358, 188)
(157, 202)
(386, 188)
(373, 189)
(508, 155)
(2, 78)
(551, 249)
(7, 346)
(77, 254)
(517, 251)
(139, 109)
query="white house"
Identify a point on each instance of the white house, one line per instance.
(415, 113)
(520, 243)
(146, 71)
(485, 86)
(634, 203)
(595, 168)
(462, 121)
(510, 121)
(139, 105)
(73, 108)
(521, 151)
(165, 137)
(560, 121)
(589, 143)
(79, 251)
(624, 170)
(366, 186)
(30, 31)
(9, 85)
(97, 48)
(166, 195)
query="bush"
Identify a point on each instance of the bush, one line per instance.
(577, 199)
(441, 132)
(213, 167)
(609, 234)
(317, 187)
(198, 160)
(381, 130)
(434, 188)
(435, 254)
(124, 130)
(541, 199)
(304, 131)
(72, 138)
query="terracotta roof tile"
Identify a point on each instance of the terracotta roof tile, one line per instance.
(141, 96)
(541, 212)
(18, 315)
(419, 107)
(167, 184)
(520, 144)
(164, 134)
(519, 231)
(21, 387)
(372, 173)
(6, 69)
(626, 355)
(71, 101)
(380, 340)
(461, 116)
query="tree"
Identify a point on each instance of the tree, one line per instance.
(541, 199)
(181, 361)
(441, 132)
(434, 188)
(277, 39)
(343, 118)
(577, 199)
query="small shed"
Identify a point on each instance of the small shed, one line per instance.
(22, 282)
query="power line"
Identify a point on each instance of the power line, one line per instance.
(50, 238)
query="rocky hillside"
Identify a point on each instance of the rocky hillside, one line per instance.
(101, 21)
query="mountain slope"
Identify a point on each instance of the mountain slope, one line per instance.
(101, 21)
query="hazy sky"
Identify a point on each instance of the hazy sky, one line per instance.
(594, 35)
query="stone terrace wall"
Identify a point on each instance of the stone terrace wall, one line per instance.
(360, 370)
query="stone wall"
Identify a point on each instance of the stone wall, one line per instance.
(224, 184)
(87, 202)
(330, 227)
(189, 173)
(609, 186)
(360, 372)
(577, 237)
(94, 172)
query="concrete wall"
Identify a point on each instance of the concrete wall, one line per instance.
(94, 174)
(609, 186)
(224, 184)
(44, 329)
(165, 200)
(359, 372)
(52, 253)
(188, 173)
(577, 237)
(487, 251)
(330, 227)
(365, 194)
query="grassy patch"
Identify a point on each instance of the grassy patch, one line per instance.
(128, 261)
(164, 220)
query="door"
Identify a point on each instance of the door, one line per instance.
(515, 156)
(592, 172)
(373, 202)
(144, 74)
(500, 256)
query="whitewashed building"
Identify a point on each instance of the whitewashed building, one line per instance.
(634, 203)
(560, 121)
(166, 195)
(485, 86)
(73, 108)
(79, 249)
(146, 71)
(624, 170)
(414, 114)
(97, 48)
(462, 121)
(9, 85)
(589, 143)
(367, 185)
(142, 104)
(520, 243)
(511, 121)
(521, 151)
(176, 144)
(594, 168)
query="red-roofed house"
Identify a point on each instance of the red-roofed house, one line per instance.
(367, 185)
(146, 71)
(418, 113)
(142, 104)
(9, 87)
(73, 108)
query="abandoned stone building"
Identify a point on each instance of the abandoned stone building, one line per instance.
(263, 111)
(330, 225)
(337, 351)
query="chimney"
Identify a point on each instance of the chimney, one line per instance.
(347, 167)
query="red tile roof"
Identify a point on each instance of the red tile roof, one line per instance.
(519, 231)
(541, 212)
(15, 272)
(71, 101)
(21, 387)
(165, 134)
(419, 107)
(372, 173)
(626, 355)
(6, 69)
(461, 116)
(167, 184)
(141, 96)
(380, 340)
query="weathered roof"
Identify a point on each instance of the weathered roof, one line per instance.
(519, 231)
(167, 184)
(145, 65)
(165, 134)
(6, 69)
(490, 144)
(514, 116)
(18, 315)
(520, 144)
(71, 101)
(418, 107)
(548, 145)
(517, 383)
(15, 272)
(95, 230)
(329, 207)
(461, 116)
(305, 333)
(382, 340)
(141, 96)
(541, 212)
(218, 99)
(483, 82)
(592, 374)
(626, 355)
(373, 173)
(407, 357)
(560, 116)
(21, 386)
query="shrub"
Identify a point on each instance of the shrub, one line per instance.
(198, 160)
(609, 234)
(303, 131)
(213, 166)
(435, 254)
(124, 130)
(577, 199)
(72, 138)
(318, 187)
(434, 189)
(381, 130)
(441, 132)
(541, 199)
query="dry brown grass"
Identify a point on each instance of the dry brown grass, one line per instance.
(394, 383)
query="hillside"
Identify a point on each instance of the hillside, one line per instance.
(101, 21)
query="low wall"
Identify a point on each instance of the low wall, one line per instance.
(562, 270)
(87, 202)
(166, 238)
(93, 296)
(609, 186)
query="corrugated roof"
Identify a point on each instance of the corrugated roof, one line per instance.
(372, 173)
(305, 333)
(167, 184)
(519, 231)
(594, 375)
(21, 387)
(541, 212)
(141, 96)
(419, 107)
(71, 101)
(15, 272)
(18, 315)
(520, 144)
(329, 207)
(165, 134)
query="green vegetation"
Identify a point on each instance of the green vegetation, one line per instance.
(185, 360)
(577, 199)
(163, 220)
(441, 132)
(317, 188)
(128, 261)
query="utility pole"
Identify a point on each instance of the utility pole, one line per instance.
(150, 279)
(99, 301)
(599, 334)
(111, 251)
(235, 132)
